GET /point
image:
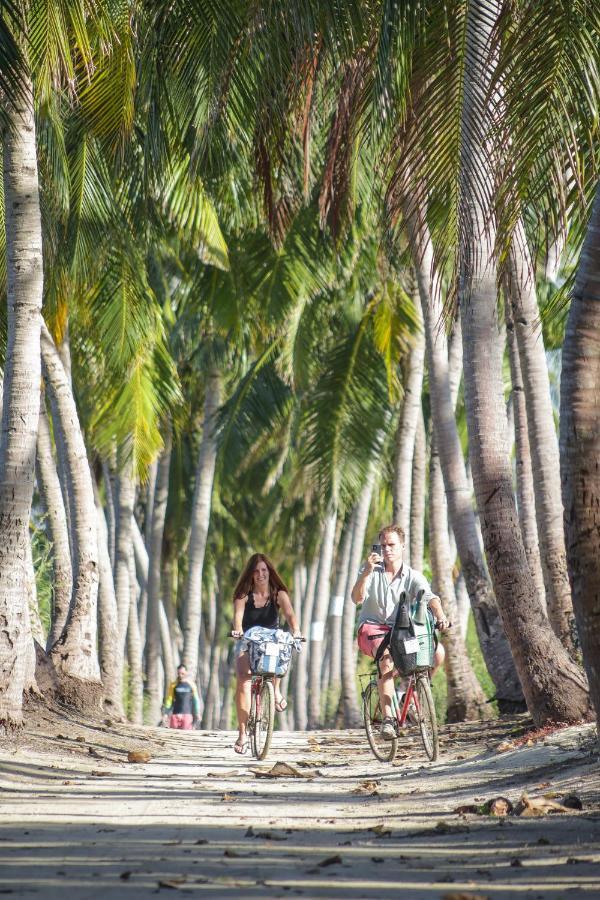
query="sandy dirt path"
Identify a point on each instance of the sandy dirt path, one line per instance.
(79, 821)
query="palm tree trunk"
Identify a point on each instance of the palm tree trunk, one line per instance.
(21, 391)
(407, 425)
(166, 643)
(555, 689)
(75, 654)
(37, 632)
(111, 522)
(524, 472)
(227, 702)
(56, 523)
(494, 646)
(134, 651)
(153, 645)
(580, 449)
(466, 699)
(360, 518)
(417, 498)
(543, 441)
(111, 670)
(317, 630)
(205, 471)
(336, 612)
(211, 702)
(300, 709)
(124, 497)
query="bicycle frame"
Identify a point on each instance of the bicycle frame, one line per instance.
(409, 694)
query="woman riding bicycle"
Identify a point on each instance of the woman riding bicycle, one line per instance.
(259, 596)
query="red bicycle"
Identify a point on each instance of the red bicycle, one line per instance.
(261, 718)
(417, 700)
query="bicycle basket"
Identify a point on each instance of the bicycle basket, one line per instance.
(269, 650)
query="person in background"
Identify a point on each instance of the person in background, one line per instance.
(381, 581)
(259, 596)
(181, 706)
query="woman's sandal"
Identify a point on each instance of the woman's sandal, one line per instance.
(241, 745)
(281, 705)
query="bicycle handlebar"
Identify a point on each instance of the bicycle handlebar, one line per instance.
(233, 635)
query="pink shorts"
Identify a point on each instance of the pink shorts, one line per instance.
(181, 720)
(370, 636)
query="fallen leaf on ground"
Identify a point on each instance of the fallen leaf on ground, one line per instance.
(125, 876)
(572, 801)
(139, 756)
(279, 770)
(264, 835)
(235, 854)
(226, 798)
(467, 809)
(366, 787)
(380, 830)
(80, 738)
(95, 753)
(174, 883)
(505, 745)
(330, 861)
(98, 774)
(233, 773)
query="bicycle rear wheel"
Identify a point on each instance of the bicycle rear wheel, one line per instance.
(263, 723)
(383, 750)
(427, 717)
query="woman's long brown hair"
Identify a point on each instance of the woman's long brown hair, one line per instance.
(246, 582)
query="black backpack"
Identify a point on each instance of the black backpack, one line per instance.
(401, 640)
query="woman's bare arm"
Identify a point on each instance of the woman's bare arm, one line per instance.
(285, 605)
(238, 613)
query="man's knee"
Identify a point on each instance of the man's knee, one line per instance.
(439, 656)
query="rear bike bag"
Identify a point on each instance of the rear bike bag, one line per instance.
(410, 644)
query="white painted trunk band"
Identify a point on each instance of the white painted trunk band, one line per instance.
(337, 605)
(317, 630)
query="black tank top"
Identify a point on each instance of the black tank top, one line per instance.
(266, 616)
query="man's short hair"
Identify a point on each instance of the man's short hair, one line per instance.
(397, 529)
(181, 666)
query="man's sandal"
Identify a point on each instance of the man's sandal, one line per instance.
(241, 745)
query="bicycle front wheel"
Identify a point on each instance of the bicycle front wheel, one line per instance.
(427, 717)
(384, 750)
(265, 717)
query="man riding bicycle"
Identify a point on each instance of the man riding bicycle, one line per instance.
(381, 581)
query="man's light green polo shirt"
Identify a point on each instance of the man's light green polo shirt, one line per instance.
(382, 596)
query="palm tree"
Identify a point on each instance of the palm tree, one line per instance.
(49, 486)
(484, 402)
(407, 429)
(524, 472)
(579, 435)
(543, 441)
(75, 654)
(22, 374)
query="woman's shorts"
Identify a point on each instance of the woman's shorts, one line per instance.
(370, 636)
